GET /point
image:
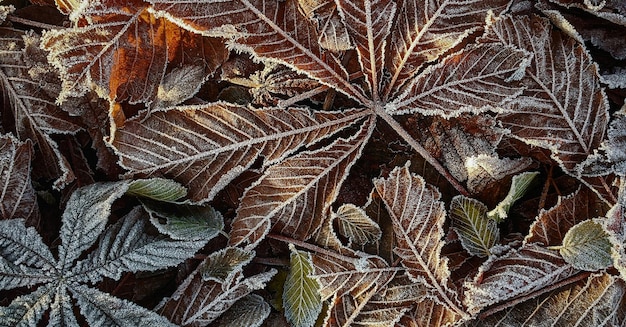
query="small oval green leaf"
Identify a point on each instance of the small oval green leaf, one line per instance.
(586, 246)
(159, 189)
(301, 295)
(476, 232)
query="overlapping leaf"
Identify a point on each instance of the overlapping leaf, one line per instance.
(124, 51)
(477, 232)
(301, 293)
(418, 216)
(250, 311)
(293, 197)
(586, 246)
(205, 147)
(457, 83)
(596, 301)
(552, 224)
(353, 223)
(17, 198)
(30, 85)
(269, 29)
(425, 32)
(197, 301)
(516, 273)
(564, 95)
(333, 34)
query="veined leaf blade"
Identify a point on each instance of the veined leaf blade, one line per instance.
(586, 246)
(17, 199)
(185, 222)
(27, 310)
(477, 232)
(21, 245)
(159, 189)
(301, 299)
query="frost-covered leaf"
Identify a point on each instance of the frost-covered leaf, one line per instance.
(418, 215)
(159, 189)
(179, 85)
(332, 32)
(224, 265)
(292, 198)
(30, 86)
(586, 246)
(250, 311)
(61, 310)
(424, 32)
(124, 51)
(369, 24)
(342, 275)
(518, 272)
(206, 147)
(102, 309)
(17, 198)
(21, 245)
(125, 246)
(612, 155)
(301, 297)
(615, 226)
(478, 233)
(519, 186)
(27, 310)
(483, 170)
(281, 33)
(13, 276)
(197, 302)
(363, 310)
(563, 108)
(85, 217)
(597, 301)
(552, 224)
(185, 222)
(457, 84)
(354, 224)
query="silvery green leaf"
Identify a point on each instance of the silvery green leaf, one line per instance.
(20, 245)
(586, 246)
(103, 310)
(159, 189)
(85, 217)
(126, 247)
(519, 186)
(61, 310)
(26, 310)
(250, 311)
(12, 276)
(477, 232)
(221, 266)
(301, 294)
(185, 222)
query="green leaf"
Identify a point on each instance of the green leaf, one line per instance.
(159, 189)
(250, 311)
(476, 231)
(301, 297)
(185, 222)
(519, 186)
(586, 246)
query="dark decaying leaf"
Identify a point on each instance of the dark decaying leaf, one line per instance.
(425, 32)
(332, 32)
(354, 224)
(418, 215)
(612, 154)
(563, 98)
(596, 301)
(359, 311)
(516, 273)
(31, 86)
(281, 33)
(552, 224)
(197, 302)
(456, 84)
(206, 147)
(124, 51)
(17, 198)
(293, 197)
